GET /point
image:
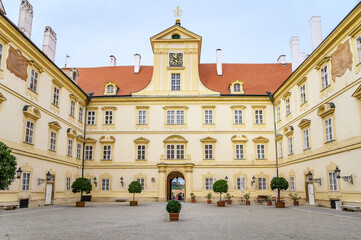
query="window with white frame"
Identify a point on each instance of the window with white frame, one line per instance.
(88, 152)
(329, 130)
(175, 82)
(208, 116)
(280, 150)
(107, 152)
(208, 151)
(208, 183)
(358, 45)
(29, 132)
(292, 183)
(290, 146)
(170, 116)
(332, 176)
(306, 139)
(170, 151)
(80, 119)
(237, 87)
(239, 151)
(78, 150)
(180, 116)
(142, 117)
(262, 184)
(105, 184)
(108, 117)
(142, 182)
(238, 117)
(70, 147)
(141, 152)
(1, 54)
(175, 117)
(258, 116)
(180, 151)
(33, 80)
(56, 96)
(72, 108)
(91, 118)
(303, 94)
(241, 183)
(52, 141)
(288, 106)
(25, 183)
(324, 77)
(175, 151)
(278, 113)
(110, 89)
(261, 151)
(68, 184)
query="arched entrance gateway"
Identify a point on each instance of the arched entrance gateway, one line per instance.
(171, 176)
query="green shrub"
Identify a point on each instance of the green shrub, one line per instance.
(7, 167)
(173, 206)
(81, 185)
(280, 184)
(229, 196)
(135, 187)
(209, 196)
(247, 196)
(220, 186)
(294, 197)
(193, 196)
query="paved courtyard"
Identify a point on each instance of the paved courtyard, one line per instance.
(197, 221)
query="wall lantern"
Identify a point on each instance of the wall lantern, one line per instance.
(42, 180)
(153, 179)
(121, 181)
(253, 180)
(310, 178)
(348, 179)
(226, 178)
(95, 181)
(18, 173)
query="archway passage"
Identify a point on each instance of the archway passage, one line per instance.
(173, 177)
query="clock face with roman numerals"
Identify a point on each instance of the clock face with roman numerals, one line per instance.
(176, 59)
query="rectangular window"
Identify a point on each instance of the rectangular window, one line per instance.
(170, 117)
(241, 184)
(324, 77)
(208, 183)
(306, 139)
(280, 150)
(25, 183)
(68, 183)
(239, 151)
(80, 119)
(292, 183)
(108, 117)
(72, 108)
(258, 116)
(142, 182)
(88, 152)
(208, 116)
(56, 96)
(180, 151)
(262, 184)
(238, 117)
(180, 116)
(141, 152)
(170, 151)
(329, 130)
(33, 80)
(175, 117)
(52, 141)
(142, 117)
(1, 54)
(78, 150)
(29, 132)
(260, 151)
(208, 151)
(278, 113)
(175, 82)
(107, 152)
(332, 176)
(91, 117)
(70, 147)
(105, 184)
(288, 106)
(290, 146)
(303, 94)
(358, 45)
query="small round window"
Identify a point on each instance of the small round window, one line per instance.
(175, 36)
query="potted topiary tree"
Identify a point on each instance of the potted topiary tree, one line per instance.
(295, 199)
(209, 197)
(173, 207)
(81, 185)
(280, 184)
(220, 186)
(229, 198)
(247, 196)
(134, 187)
(269, 200)
(193, 197)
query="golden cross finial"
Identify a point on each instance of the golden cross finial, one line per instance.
(178, 13)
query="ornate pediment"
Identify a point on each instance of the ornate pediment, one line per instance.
(107, 139)
(260, 139)
(238, 138)
(304, 123)
(71, 133)
(90, 140)
(208, 140)
(31, 112)
(288, 131)
(175, 139)
(279, 137)
(326, 109)
(169, 33)
(141, 140)
(54, 125)
(80, 138)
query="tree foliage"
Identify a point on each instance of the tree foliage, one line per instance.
(81, 185)
(173, 206)
(279, 183)
(220, 186)
(7, 167)
(135, 187)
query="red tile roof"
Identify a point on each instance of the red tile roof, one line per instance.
(257, 78)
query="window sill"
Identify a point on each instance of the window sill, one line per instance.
(57, 106)
(208, 124)
(175, 68)
(291, 154)
(141, 160)
(32, 144)
(325, 87)
(287, 114)
(175, 159)
(259, 124)
(71, 116)
(51, 150)
(236, 159)
(261, 158)
(208, 159)
(112, 124)
(80, 122)
(238, 124)
(330, 141)
(305, 149)
(33, 91)
(106, 160)
(175, 124)
(144, 124)
(303, 103)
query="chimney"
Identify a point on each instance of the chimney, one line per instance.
(49, 43)
(295, 52)
(302, 57)
(112, 61)
(282, 60)
(219, 61)
(136, 63)
(25, 17)
(316, 31)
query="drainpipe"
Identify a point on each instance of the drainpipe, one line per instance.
(84, 135)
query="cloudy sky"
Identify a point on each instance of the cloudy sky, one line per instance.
(256, 31)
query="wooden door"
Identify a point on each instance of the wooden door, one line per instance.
(48, 193)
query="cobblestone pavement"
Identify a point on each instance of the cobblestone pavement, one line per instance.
(197, 221)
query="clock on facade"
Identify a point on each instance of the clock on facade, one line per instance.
(176, 59)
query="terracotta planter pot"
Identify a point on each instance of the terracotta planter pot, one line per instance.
(133, 203)
(193, 200)
(229, 201)
(248, 202)
(173, 216)
(221, 203)
(296, 203)
(280, 204)
(269, 203)
(80, 204)
(209, 201)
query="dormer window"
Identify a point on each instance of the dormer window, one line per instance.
(237, 87)
(110, 88)
(74, 74)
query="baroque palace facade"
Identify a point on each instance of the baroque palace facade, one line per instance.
(181, 118)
